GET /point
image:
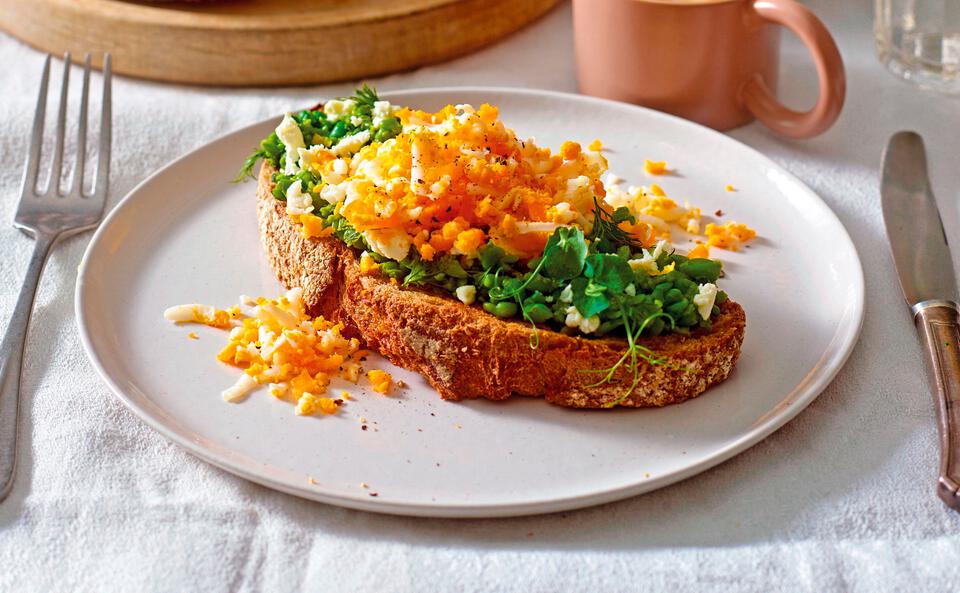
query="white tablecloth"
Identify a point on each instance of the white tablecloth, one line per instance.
(841, 499)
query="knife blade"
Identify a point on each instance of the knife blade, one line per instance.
(920, 250)
(921, 256)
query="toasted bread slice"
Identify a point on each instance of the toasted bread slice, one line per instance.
(465, 352)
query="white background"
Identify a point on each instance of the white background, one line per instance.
(841, 499)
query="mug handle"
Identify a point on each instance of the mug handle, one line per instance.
(760, 101)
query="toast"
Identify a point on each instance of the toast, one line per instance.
(466, 353)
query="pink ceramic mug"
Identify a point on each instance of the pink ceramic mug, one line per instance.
(711, 61)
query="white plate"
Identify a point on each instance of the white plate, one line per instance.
(187, 234)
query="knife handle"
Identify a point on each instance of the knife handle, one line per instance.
(939, 325)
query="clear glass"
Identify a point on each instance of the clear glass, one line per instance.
(919, 40)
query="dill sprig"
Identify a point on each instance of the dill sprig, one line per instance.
(607, 234)
(366, 96)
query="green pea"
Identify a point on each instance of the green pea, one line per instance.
(541, 284)
(440, 277)
(512, 284)
(489, 307)
(686, 285)
(538, 313)
(388, 129)
(673, 295)
(701, 270)
(339, 130)
(678, 308)
(488, 281)
(608, 326)
(505, 309)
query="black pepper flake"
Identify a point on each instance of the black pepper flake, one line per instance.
(719, 213)
(434, 219)
(432, 414)
(373, 494)
(338, 401)
(449, 208)
(363, 427)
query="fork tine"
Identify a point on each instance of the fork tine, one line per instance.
(101, 180)
(76, 181)
(53, 182)
(32, 166)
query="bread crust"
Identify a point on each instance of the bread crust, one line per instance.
(467, 353)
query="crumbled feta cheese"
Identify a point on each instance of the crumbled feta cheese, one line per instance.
(566, 295)
(381, 111)
(467, 294)
(297, 201)
(336, 109)
(585, 325)
(355, 121)
(705, 299)
(292, 138)
(590, 324)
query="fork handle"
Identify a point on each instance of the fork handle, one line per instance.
(11, 363)
(939, 325)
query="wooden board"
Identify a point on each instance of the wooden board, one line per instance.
(266, 42)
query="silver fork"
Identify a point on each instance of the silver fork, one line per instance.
(49, 214)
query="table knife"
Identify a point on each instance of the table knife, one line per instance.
(922, 259)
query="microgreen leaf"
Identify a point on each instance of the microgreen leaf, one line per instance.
(490, 256)
(564, 253)
(589, 302)
(451, 267)
(418, 271)
(610, 271)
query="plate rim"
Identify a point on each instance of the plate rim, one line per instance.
(840, 347)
